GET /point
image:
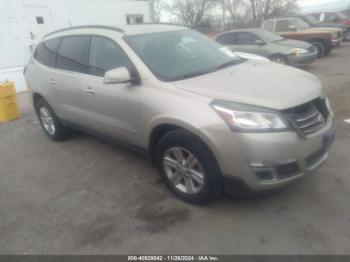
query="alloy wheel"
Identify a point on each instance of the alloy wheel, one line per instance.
(47, 120)
(183, 170)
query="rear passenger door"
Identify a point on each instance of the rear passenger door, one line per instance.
(69, 80)
(113, 110)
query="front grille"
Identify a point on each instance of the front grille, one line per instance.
(311, 49)
(310, 117)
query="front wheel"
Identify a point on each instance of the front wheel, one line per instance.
(188, 168)
(321, 51)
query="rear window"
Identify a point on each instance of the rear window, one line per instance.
(73, 53)
(45, 53)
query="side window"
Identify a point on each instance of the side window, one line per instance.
(246, 39)
(105, 55)
(72, 54)
(331, 17)
(283, 26)
(227, 39)
(268, 26)
(45, 53)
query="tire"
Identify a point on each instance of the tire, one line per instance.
(347, 36)
(50, 123)
(321, 50)
(197, 179)
(279, 59)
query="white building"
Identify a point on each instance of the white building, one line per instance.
(310, 6)
(24, 22)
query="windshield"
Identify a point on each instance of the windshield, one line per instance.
(300, 23)
(175, 55)
(312, 20)
(267, 36)
(341, 16)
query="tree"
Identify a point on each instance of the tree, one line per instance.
(234, 8)
(191, 12)
(264, 9)
(156, 8)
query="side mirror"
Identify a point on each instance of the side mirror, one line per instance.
(259, 42)
(117, 76)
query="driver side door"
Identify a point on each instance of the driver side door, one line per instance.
(113, 110)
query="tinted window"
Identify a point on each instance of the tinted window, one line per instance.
(72, 54)
(283, 26)
(268, 25)
(246, 39)
(45, 53)
(331, 17)
(227, 39)
(105, 55)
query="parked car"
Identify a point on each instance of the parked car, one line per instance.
(334, 17)
(266, 44)
(313, 22)
(207, 119)
(295, 28)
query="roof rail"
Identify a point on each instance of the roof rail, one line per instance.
(114, 28)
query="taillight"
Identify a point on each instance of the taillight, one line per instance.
(347, 22)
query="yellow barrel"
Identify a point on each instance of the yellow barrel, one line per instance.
(8, 102)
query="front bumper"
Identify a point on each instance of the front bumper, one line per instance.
(267, 161)
(336, 42)
(302, 59)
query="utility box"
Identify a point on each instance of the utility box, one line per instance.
(8, 102)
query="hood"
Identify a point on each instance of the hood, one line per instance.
(256, 83)
(293, 43)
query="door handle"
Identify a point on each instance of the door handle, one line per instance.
(89, 90)
(52, 81)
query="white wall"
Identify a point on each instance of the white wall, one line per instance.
(16, 23)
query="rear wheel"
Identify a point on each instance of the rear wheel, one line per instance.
(188, 168)
(321, 51)
(49, 121)
(279, 59)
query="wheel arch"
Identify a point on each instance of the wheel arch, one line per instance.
(159, 130)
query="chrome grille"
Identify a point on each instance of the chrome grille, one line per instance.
(308, 118)
(311, 49)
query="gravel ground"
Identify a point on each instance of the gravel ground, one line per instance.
(86, 196)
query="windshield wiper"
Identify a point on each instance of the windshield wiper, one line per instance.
(203, 72)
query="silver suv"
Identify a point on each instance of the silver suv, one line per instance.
(208, 120)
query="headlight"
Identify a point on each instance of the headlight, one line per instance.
(299, 51)
(249, 118)
(334, 35)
